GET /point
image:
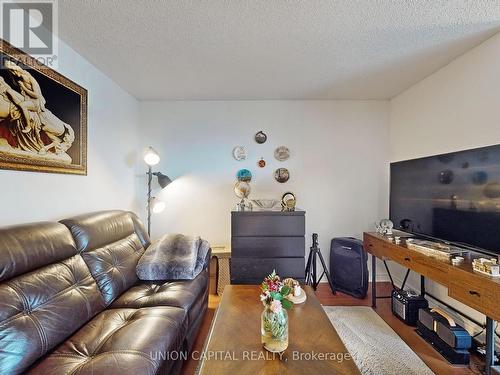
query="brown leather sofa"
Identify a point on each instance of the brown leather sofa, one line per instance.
(70, 301)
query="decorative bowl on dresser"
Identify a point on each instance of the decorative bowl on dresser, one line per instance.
(263, 240)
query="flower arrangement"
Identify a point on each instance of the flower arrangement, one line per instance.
(274, 292)
(274, 327)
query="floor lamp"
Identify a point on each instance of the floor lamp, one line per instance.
(151, 158)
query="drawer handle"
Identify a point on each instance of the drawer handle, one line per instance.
(474, 293)
(407, 259)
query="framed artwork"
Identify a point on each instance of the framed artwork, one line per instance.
(43, 117)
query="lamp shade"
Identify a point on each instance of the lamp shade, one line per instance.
(157, 205)
(151, 157)
(163, 180)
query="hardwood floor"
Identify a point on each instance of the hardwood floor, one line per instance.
(190, 366)
(435, 362)
(432, 358)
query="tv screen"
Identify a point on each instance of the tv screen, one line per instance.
(453, 197)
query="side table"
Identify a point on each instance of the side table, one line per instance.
(222, 257)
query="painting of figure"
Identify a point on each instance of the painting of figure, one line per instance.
(43, 117)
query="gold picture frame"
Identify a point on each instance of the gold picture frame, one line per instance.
(43, 117)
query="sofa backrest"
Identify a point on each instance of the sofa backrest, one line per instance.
(111, 243)
(46, 292)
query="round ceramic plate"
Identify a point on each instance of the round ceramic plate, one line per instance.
(282, 153)
(239, 153)
(260, 137)
(242, 189)
(244, 175)
(281, 175)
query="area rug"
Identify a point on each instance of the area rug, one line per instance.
(374, 346)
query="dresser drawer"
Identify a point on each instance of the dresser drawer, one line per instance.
(268, 247)
(475, 296)
(257, 268)
(267, 225)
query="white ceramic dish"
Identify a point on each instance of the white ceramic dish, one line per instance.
(299, 299)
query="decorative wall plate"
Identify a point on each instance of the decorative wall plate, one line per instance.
(288, 201)
(261, 163)
(244, 175)
(239, 153)
(282, 153)
(281, 175)
(260, 137)
(242, 189)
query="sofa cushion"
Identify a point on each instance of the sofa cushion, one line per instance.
(113, 266)
(183, 294)
(111, 248)
(121, 341)
(24, 248)
(96, 229)
(41, 309)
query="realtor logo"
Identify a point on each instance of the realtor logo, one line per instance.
(31, 26)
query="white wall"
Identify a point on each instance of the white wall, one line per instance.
(112, 119)
(453, 109)
(338, 163)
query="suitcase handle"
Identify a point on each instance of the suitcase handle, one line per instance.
(450, 320)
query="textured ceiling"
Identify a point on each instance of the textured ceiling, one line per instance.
(273, 49)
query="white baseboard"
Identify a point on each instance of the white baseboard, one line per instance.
(381, 277)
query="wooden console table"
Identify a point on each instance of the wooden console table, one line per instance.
(481, 292)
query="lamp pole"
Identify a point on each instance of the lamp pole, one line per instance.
(150, 178)
(151, 158)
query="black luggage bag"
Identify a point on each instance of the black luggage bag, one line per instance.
(348, 266)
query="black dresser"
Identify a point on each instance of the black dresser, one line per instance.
(265, 240)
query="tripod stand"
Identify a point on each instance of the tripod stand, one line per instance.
(311, 276)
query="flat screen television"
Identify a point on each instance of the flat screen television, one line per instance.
(453, 197)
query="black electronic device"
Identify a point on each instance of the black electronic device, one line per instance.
(405, 305)
(348, 266)
(445, 328)
(455, 336)
(451, 197)
(452, 355)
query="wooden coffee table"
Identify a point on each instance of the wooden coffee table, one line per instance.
(233, 345)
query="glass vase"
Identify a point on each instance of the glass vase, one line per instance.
(274, 330)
